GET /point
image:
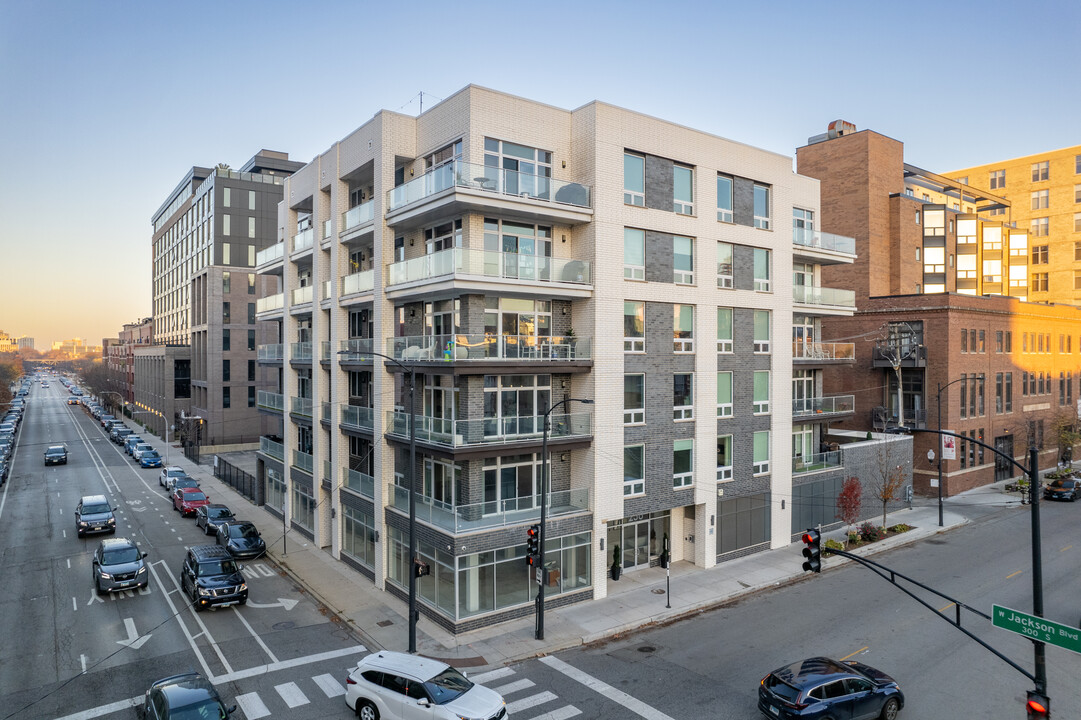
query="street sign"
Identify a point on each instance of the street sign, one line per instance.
(1036, 628)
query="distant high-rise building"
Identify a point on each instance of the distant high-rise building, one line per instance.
(25, 343)
(7, 343)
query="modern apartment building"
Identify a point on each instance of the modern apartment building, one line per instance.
(629, 279)
(933, 257)
(205, 238)
(120, 356)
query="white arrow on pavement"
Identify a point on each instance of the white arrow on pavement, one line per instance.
(134, 641)
(282, 602)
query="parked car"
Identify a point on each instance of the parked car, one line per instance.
(183, 482)
(56, 455)
(94, 514)
(140, 448)
(4, 469)
(189, 695)
(104, 419)
(130, 442)
(399, 686)
(168, 472)
(209, 517)
(150, 459)
(118, 565)
(187, 500)
(119, 432)
(73, 401)
(820, 687)
(211, 577)
(241, 539)
(1062, 489)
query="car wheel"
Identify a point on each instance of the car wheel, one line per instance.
(366, 711)
(890, 709)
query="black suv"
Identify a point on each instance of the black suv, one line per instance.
(210, 576)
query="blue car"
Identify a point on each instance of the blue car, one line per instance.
(823, 688)
(150, 459)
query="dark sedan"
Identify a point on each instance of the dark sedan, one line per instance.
(210, 517)
(56, 455)
(819, 688)
(1062, 489)
(241, 538)
(184, 696)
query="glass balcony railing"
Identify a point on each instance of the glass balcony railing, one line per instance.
(490, 431)
(328, 288)
(328, 227)
(270, 302)
(823, 351)
(359, 482)
(301, 406)
(303, 461)
(359, 282)
(324, 353)
(817, 461)
(357, 216)
(823, 241)
(271, 448)
(516, 348)
(823, 405)
(328, 412)
(303, 240)
(489, 179)
(271, 352)
(302, 295)
(300, 352)
(492, 264)
(477, 516)
(815, 295)
(356, 346)
(270, 254)
(270, 400)
(328, 472)
(360, 418)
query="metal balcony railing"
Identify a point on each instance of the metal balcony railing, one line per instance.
(356, 417)
(301, 406)
(303, 461)
(357, 216)
(465, 262)
(272, 448)
(271, 352)
(496, 513)
(487, 346)
(270, 400)
(817, 462)
(823, 241)
(832, 404)
(270, 254)
(270, 302)
(303, 240)
(490, 431)
(359, 482)
(815, 295)
(823, 351)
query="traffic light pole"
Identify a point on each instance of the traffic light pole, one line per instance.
(1037, 568)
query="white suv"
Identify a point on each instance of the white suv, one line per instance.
(398, 686)
(171, 472)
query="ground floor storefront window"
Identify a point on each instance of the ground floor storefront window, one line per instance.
(303, 508)
(358, 536)
(742, 522)
(275, 489)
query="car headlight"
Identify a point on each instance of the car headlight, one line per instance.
(106, 576)
(142, 570)
(84, 523)
(242, 587)
(204, 592)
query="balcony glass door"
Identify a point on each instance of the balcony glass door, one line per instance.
(510, 484)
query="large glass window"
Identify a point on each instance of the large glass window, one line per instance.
(524, 170)
(724, 457)
(634, 399)
(683, 396)
(761, 270)
(742, 522)
(303, 510)
(724, 394)
(724, 198)
(761, 392)
(511, 483)
(634, 179)
(998, 179)
(515, 404)
(524, 250)
(683, 328)
(358, 536)
(725, 277)
(1040, 171)
(634, 326)
(762, 331)
(683, 260)
(634, 254)
(803, 225)
(634, 470)
(761, 453)
(761, 206)
(683, 190)
(683, 463)
(724, 330)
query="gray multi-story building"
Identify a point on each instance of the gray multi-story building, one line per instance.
(517, 258)
(205, 239)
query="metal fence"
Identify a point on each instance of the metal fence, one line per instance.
(242, 482)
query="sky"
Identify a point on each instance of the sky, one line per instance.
(104, 106)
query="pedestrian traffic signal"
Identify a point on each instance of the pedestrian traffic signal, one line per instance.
(812, 550)
(532, 545)
(1038, 706)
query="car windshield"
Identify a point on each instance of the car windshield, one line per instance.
(1062, 483)
(175, 473)
(148, 454)
(217, 567)
(95, 509)
(781, 689)
(193, 496)
(143, 447)
(218, 513)
(243, 531)
(202, 710)
(447, 685)
(123, 555)
(56, 451)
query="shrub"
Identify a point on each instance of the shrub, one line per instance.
(870, 533)
(900, 528)
(853, 537)
(833, 545)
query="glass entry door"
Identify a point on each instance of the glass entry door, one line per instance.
(635, 546)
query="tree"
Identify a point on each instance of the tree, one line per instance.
(95, 377)
(1066, 433)
(888, 475)
(849, 501)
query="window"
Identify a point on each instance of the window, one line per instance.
(251, 283)
(225, 340)
(983, 344)
(917, 217)
(1039, 254)
(1077, 279)
(682, 260)
(251, 199)
(1077, 222)
(1040, 171)
(724, 457)
(683, 190)
(225, 370)
(683, 464)
(634, 180)
(998, 179)
(251, 339)
(724, 265)
(1040, 199)
(251, 396)
(724, 394)
(1038, 227)
(761, 207)
(634, 326)
(251, 228)
(683, 328)
(634, 254)
(226, 225)
(226, 313)
(1009, 341)
(634, 470)
(803, 225)
(226, 398)
(226, 284)
(761, 331)
(724, 198)
(251, 371)
(1077, 164)
(998, 392)
(1039, 282)
(724, 330)
(998, 341)
(634, 399)
(760, 404)
(683, 396)
(1009, 392)
(226, 252)
(251, 313)
(761, 270)
(251, 255)
(226, 197)
(964, 340)
(1077, 193)
(761, 453)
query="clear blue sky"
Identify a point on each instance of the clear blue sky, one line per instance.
(107, 104)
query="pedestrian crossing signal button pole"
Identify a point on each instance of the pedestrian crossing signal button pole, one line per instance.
(812, 550)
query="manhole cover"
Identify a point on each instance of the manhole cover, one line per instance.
(385, 623)
(658, 591)
(647, 649)
(287, 625)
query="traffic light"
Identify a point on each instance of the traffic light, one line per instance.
(1038, 706)
(421, 568)
(532, 545)
(812, 540)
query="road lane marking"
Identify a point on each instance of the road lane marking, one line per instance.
(567, 711)
(530, 702)
(74, 605)
(855, 653)
(292, 694)
(103, 710)
(183, 627)
(512, 687)
(633, 704)
(255, 636)
(1066, 548)
(486, 678)
(82, 661)
(329, 685)
(286, 664)
(253, 707)
(947, 607)
(1014, 574)
(69, 563)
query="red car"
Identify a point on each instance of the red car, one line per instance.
(186, 500)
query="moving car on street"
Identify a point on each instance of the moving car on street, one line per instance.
(56, 455)
(94, 514)
(118, 565)
(822, 688)
(211, 577)
(184, 697)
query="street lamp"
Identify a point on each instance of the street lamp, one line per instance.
(930, 454)
(544, 510)
(412, 567)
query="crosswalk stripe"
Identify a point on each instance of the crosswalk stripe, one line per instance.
(485, 678)
(513, 686)
(567, 711)
(329, 685)
(292, 694)
(529, 702)
(252, 706)
(633, 704)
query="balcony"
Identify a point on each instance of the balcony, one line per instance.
(486, 266)
(820, 408)
(303, 295)
(822, 248)
(359, 282)
(324, 351)
(822, 298)
(271, 448)
(883, 418)
(270, 353)
(354, 417)
(458, 187)
(300, 352)
(303, 240)
(908, 355)
(527, 429)
(823, 353)
(270, 303)
(274, 253)
(359, 482)
(270, 401)
(303, 461)
(491, 348)
(478, 516)
(357, 217)
(817, 462)
(328, 289)
(300, 406)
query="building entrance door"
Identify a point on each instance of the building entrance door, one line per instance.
(635, 545)
(1003, 468)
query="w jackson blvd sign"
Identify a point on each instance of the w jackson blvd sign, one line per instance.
(1036, 628)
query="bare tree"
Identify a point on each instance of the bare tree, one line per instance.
(888, 475)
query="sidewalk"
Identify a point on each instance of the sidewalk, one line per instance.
(636, 600)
